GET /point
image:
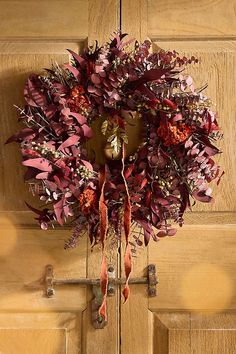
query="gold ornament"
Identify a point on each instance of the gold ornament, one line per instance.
(110, 153)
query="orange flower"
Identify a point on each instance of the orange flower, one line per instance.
(88, 200)
(173, 134)
(77, 101)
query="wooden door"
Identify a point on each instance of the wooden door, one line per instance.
(194, 311)
(32, 35)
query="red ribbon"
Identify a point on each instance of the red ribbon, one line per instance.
(103, 232)
(127, 223)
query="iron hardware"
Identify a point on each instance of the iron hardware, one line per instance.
(98, 322)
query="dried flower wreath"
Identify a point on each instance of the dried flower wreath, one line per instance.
(149, 188)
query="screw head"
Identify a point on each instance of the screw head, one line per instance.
(110, 291)
(100, 319)
(50, 292)
(152, 292)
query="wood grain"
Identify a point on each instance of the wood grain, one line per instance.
(36, 333)
(196, 269)
(104, 20)
(187, 332)
(134, 314)
(56, 20)
(32, 34)
(191, 19)
(134, 18)
(24, 253)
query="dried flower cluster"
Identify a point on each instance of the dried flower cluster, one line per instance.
(173, 165)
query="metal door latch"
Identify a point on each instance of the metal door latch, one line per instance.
(98, 322)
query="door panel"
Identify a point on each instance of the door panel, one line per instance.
(48, 333)
(186, 332)
(33, 34)
(194, 309)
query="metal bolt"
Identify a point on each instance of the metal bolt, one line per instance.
(152, 292)
(100, 319)
(110, 291)
(50, 292)
(151, 267)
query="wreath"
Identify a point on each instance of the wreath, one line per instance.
(149, 188)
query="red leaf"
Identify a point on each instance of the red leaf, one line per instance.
(72, 140)
(31, 91)
(162, 233)
(73, 70)
(24, 134)
(87, 165)
(39, 163)
(77, 58)
(170, 103)
(34, 210)
(202, 197)
(152, 74)
(58, 208)
(171, 232)
(143, 184)
(95, 79)
(42, 175)
(80, 119)
(128, 171)
(88, 133)
(219, 178)
(50, 111)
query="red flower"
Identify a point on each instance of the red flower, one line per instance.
(173, 134)
(77, 101)
(88, 200)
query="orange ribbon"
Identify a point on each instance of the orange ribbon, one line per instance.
(103, 232)
(127, 223)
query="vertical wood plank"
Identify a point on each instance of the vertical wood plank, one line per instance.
(103, 21)
(134, 18)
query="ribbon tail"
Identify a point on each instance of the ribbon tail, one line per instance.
(103, 231)
(128, 268)
(103, 284)
(127, 223)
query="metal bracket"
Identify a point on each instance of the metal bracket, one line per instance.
(98, 321)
